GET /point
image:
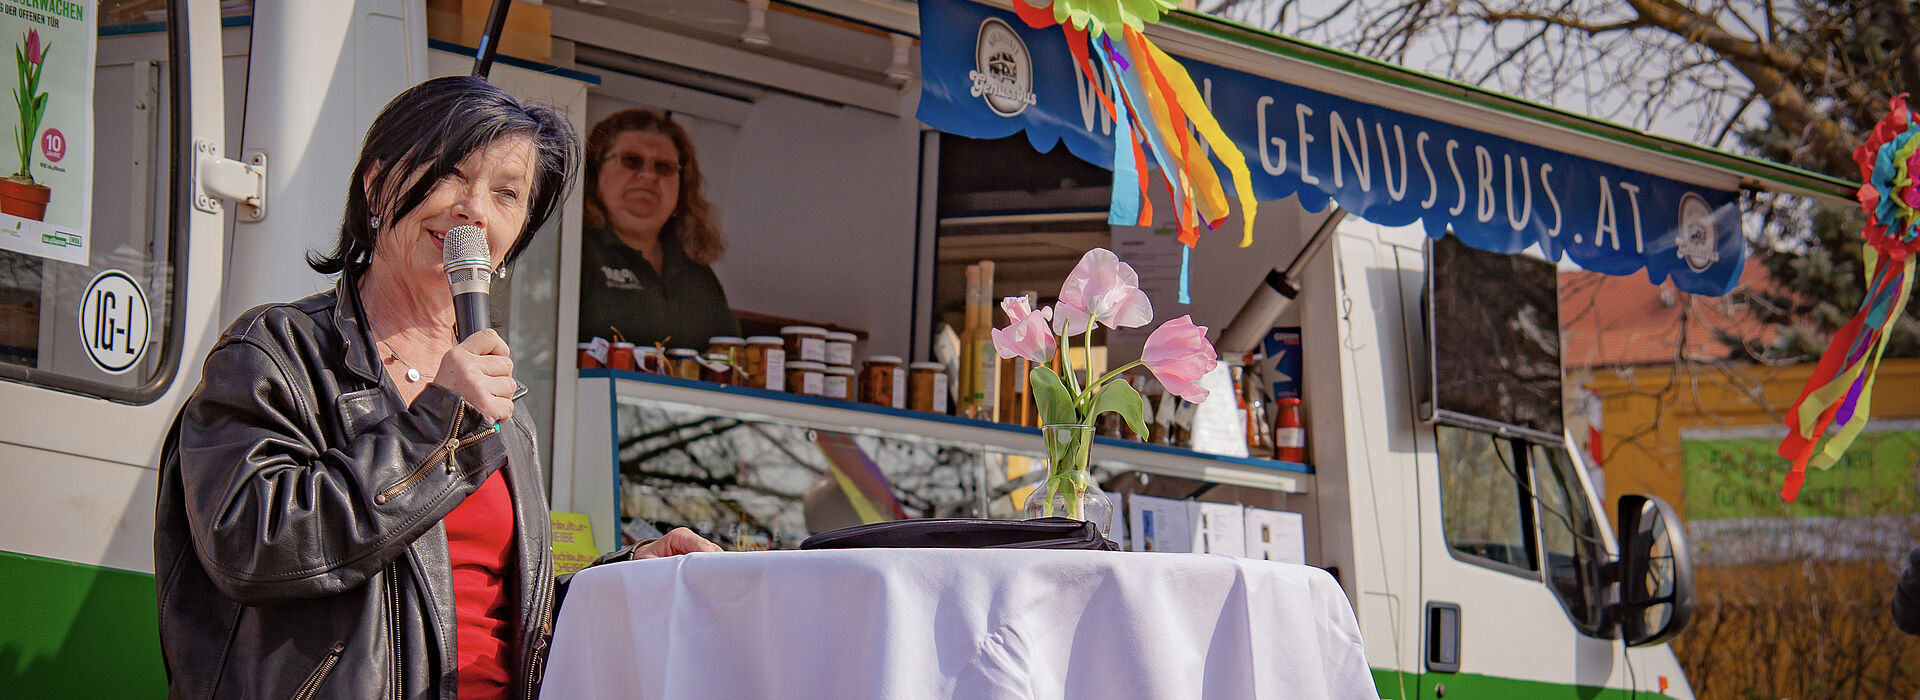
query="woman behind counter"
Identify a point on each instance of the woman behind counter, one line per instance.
(650, 238)
(350, 504)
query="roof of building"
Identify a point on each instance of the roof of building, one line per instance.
(1616, 321)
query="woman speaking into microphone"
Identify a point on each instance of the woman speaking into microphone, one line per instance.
(350, 504)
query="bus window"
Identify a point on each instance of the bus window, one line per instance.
(1570, 536)
(88, 277)
(1483, 505)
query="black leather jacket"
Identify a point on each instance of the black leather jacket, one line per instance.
(298, 545)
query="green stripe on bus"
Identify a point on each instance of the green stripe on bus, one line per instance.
(76, 631)
(1479, 687)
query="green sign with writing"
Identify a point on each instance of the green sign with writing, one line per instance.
(1736, 474)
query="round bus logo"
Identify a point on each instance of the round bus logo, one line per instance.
(1697, 240)
(1003, 70)
(114, 322)
(53, 145)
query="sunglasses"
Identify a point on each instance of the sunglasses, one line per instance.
(663, 169)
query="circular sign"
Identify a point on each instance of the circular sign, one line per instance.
(114, 322)
(53, 145)
(1698, 240)
(1003, 70)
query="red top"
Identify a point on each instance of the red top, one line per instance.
(480, 543)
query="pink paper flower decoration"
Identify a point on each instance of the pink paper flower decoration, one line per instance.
(1028, 335)
(1103, 290)
(1178, 354)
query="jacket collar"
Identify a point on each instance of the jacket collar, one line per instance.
(356, 341)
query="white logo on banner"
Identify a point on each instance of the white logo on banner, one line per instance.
(1697, 240)
(1003, 69)
(114, 322)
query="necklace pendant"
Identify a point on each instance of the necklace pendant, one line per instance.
(413, 375)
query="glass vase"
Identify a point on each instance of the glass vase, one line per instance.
(1069, 491)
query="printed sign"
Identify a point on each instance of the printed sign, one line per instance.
(1276, 535)
(114, 322)
(573, 546)
(1283, 366)
(46, 201)
(1390, 167)
(1734, 473)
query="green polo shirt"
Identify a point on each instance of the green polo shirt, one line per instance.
(681, 306)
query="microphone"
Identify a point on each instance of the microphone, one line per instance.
(469, 268)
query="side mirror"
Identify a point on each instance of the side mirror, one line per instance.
(1655, 572)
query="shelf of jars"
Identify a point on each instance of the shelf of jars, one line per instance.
(677, 403)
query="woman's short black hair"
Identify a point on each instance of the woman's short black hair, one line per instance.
(430, 128)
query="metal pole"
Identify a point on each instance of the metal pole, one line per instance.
(1274, 294)
(490, 39)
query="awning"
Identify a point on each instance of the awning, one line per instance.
(986, 74)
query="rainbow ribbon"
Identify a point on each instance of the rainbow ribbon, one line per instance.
(1839, 395)
(1157, 111)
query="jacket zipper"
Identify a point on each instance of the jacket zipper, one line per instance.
(536, 662)
(319, 674)
(393, 626)
(445, 452)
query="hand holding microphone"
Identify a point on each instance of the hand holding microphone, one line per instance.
(480, 368)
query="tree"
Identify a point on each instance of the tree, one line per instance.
(1821, 72)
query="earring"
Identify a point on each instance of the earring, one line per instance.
(373, 222)
(501, 272)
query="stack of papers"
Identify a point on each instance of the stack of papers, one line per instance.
(1167, 525)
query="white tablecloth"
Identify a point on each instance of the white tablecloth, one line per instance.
(943, 623)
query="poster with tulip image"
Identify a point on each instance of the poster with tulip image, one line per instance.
(46, 195)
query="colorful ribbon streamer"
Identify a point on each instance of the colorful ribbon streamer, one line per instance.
(1839, 395)
(1156, 110)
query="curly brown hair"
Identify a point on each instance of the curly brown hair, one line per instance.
(691, 224)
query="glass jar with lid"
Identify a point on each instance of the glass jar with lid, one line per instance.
(717, 368)
(765, 364)
(837, 382)
(683, 363)
(882, 381)
(805, 343)
(840, 348)
(927, 388)
(807, 378)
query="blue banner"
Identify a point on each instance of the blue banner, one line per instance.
(986, 74)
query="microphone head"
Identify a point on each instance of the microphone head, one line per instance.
(468, 263)
(465, 246)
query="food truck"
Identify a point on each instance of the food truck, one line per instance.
(860, 155)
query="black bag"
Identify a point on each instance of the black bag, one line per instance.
(966, 533)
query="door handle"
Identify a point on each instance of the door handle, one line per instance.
(1443, 637)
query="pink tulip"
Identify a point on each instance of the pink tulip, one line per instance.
(1101, 289)
(33, 47)
(1027, 336)
(1178, 354)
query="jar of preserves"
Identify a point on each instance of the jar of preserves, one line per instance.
(683, 363)
(622, 357)
(717, 368)
(837, 382)
(805, 343)
(647, 359)
(765, 364)
(587, 360)
(728, 345)
(840, 349)
(881, 381)
(806, 378)
(927, 388)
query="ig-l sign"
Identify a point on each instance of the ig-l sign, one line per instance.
(114, 322)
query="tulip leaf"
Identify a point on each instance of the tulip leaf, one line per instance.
(1119, 397)
(1051, 397)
